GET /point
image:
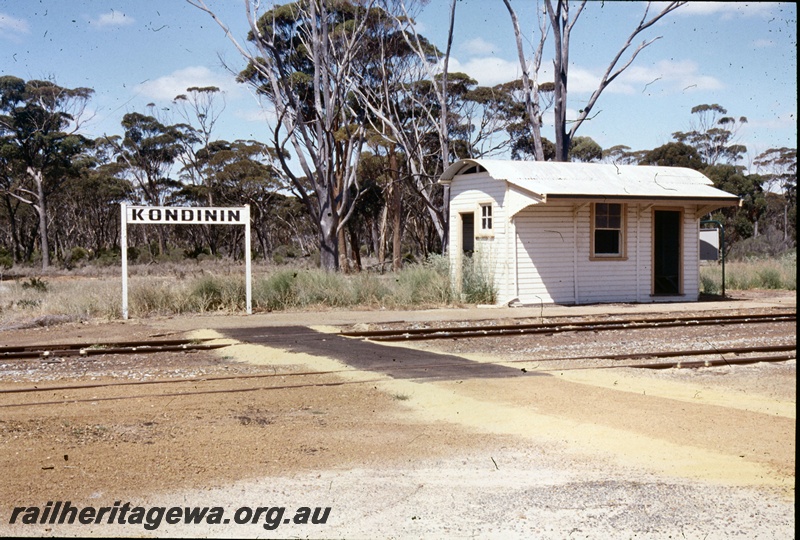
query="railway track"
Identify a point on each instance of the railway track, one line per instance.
(419, 334)
(665, 358)
(702, 358)
(91, 349)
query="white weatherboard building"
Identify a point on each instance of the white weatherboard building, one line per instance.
(580, 233)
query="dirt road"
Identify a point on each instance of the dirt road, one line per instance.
(484, 437)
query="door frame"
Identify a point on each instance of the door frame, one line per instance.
(678, 237)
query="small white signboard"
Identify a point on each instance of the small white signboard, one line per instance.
(171, 215)
(709, 244)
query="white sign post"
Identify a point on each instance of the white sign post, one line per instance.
(170, 215)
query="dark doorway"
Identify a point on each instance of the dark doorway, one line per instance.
(666, 252)
(467, 233)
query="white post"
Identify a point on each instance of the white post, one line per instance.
(124, 245)
(247, 263)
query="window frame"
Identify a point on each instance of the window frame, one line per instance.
(622, 254)
(481, 219)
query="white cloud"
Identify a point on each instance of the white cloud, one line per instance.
(167, 87)
(726, 10)
(663, 76)
(13, 28)
(479, 47)
(488, 71)
(763, 43)
(265, 114)
(112, 18)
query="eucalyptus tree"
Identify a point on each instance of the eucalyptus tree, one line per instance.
(740, 222)
(408, 91)
(778, 168)
(585, 149)
(200, 108)
(622, 155)
(39, 136)
(88, 205)
(234, 173)
(714, 134)
(555, 17)
(299, 59)
(148, 151)
(674, 154)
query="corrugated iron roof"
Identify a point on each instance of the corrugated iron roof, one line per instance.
(575, 180)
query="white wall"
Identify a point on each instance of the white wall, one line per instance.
(537, 254)
(549, 258)
(466, 196)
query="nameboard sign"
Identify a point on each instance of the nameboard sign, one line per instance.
(184, 215)
(170, 215)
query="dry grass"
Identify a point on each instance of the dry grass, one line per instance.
(219, 286)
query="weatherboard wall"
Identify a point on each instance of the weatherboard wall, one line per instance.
(542, 254)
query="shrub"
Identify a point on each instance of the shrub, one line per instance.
(709, 284)
(35, 284)
(276, 291)
(477, 285)
(207, 294)
(78, 254)
(427, 283)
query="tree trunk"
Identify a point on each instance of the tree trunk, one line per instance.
(41, 209)
(397, 207)
(382, 236)
(344, 263)
(328, 242)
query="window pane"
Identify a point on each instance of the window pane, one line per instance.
(606, 242)
(486, 217)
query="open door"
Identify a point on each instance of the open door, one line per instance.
(667, 260)
(467, 233)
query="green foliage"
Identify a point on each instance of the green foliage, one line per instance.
(283, 252)
(708, 283)
(78, 254)
(207, 294)
(427, 283)
(6, 260)
(275, 292)
(752, 273)
(477, 285)
(35, 284)
(585, 150)
(674, 154)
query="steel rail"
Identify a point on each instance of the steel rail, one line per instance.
(670, 354)
(370, 381)
(141, 349)
(662, 354)
(118, 344)
(412, 334)
(186, 394)
(717, 362)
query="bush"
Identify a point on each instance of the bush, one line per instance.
(207, 294)
(477, 285)
(78, 254)
(709, 284)
(754, 273)
(276, 291)
(35, 284)
(424, 284)
(6, 260)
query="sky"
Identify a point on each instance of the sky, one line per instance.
(739, 55)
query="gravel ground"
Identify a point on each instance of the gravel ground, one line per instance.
(569, 449)
(513, 493)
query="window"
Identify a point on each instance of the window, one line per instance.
(486, 217)
(608, 230)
